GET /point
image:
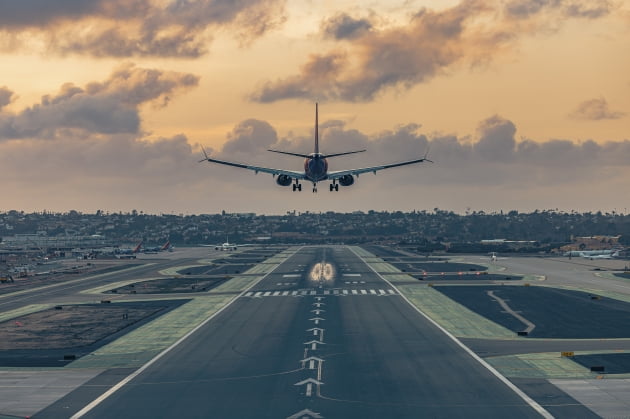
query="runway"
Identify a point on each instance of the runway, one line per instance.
(321, 336)
(336, 331)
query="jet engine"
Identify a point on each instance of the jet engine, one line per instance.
(284, 180)
(346, 180)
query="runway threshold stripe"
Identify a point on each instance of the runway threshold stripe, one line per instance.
(531, 402)
(140, 370)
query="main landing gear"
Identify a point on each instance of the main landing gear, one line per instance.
(334, 187)
(297, 187)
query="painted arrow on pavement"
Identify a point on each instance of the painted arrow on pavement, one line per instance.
(309, 382)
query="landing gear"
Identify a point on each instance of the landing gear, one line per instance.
(297, 187)
(314, 188)
(334, 187)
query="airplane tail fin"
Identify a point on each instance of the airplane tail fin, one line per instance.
(306, 156)
(137, 249)
(316, 151)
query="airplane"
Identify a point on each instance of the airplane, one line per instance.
(129, 252)
(593, 254)
(227, 246)
(165, 247)
(315, 167)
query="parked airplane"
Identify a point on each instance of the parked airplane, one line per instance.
(128, 250)
(165, 247)
(593, 254)
(315, 167)
(227, 246)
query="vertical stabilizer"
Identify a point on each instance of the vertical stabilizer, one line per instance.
(316, 131)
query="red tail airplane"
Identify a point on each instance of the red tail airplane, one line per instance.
(315, 167)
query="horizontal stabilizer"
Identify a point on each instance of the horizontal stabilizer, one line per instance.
(306, 156)
(343, 154)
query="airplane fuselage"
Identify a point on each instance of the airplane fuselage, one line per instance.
(316, 168)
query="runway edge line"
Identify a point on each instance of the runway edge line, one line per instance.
(140, 370)
(543, 412)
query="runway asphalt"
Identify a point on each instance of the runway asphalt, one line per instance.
(321, 336)
(555, 313)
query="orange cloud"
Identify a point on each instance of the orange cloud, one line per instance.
(595, 110)
(124, 28)
(107, 107)
(369, 60)
(6, 96)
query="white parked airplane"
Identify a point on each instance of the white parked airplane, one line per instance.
(315, 167)
(593, 254)
(227, 246)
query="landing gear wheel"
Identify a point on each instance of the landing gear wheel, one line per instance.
(332, 187)
(336, 187)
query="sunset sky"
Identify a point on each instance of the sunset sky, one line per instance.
(523, 104)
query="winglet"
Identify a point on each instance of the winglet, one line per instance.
(426, 154)
(205, 155)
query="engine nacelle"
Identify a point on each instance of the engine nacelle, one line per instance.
(283, 180)
(346, 180)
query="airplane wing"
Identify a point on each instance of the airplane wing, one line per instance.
(290, 173)
(355, 172)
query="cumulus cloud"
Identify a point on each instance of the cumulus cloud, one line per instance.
(250, 136)
(496, 141)
(371, 59)
(6, 96)
(494, 157)
(123, 28)
(595, 110)
(489, 170)
(107, 107)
